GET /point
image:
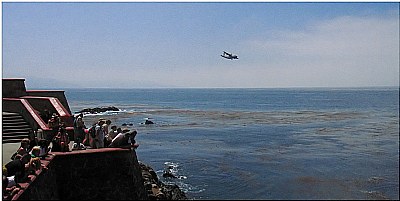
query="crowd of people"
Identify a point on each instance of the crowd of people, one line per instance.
(27, 158)
(102, 134)
(24, 162)
(99, 135)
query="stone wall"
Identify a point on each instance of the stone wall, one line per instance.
(13, 87)
(109, 173)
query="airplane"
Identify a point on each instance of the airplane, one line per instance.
(230, 56)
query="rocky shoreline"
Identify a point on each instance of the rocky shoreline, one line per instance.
(156, 189)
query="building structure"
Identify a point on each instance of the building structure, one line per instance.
(23, 110)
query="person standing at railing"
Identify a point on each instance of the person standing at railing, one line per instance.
(53, 123)
(79, 132)
(99, 139)
(61, 141)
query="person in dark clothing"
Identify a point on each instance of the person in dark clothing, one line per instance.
(18, 168)
(79, 131)
(54, 123)
(34, 141)
(44, 148)
(23, 148)
(45, 115)
(61, 141)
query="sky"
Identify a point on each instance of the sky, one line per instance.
(178, 44)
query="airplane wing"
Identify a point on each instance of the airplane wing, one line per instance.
(228, 53)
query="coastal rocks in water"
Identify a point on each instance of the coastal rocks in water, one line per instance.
(98, 110)
(148, 122)
(168, 172)
(156, 189)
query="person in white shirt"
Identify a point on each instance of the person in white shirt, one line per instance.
(106, 124)
(111, 135)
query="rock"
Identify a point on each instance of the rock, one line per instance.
(147, 122)
(173, 192)
(168, 174)
(156, 189)
(98, 110)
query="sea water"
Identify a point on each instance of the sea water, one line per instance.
(321, 143)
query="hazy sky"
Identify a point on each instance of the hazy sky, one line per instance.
(179, 44)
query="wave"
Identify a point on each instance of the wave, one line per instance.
(179, 179)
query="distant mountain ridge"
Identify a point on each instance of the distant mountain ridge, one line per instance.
(51, 83)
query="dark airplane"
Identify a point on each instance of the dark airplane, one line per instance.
(230, 56)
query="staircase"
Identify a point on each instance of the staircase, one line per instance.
(15, 128)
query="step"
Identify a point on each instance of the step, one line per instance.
(16, 129)
(16, 126)
(16, 123)
(5, 113)
(10, 135)
(15, 134)
(10, 113)
(14, 120)
(11, 141)
(11, 128)
(13, 124)
(14, 137)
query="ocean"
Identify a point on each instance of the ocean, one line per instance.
(301, 143)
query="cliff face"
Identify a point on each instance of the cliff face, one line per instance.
(110, 173)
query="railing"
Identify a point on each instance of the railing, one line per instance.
(52, 104)
(59, 94)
